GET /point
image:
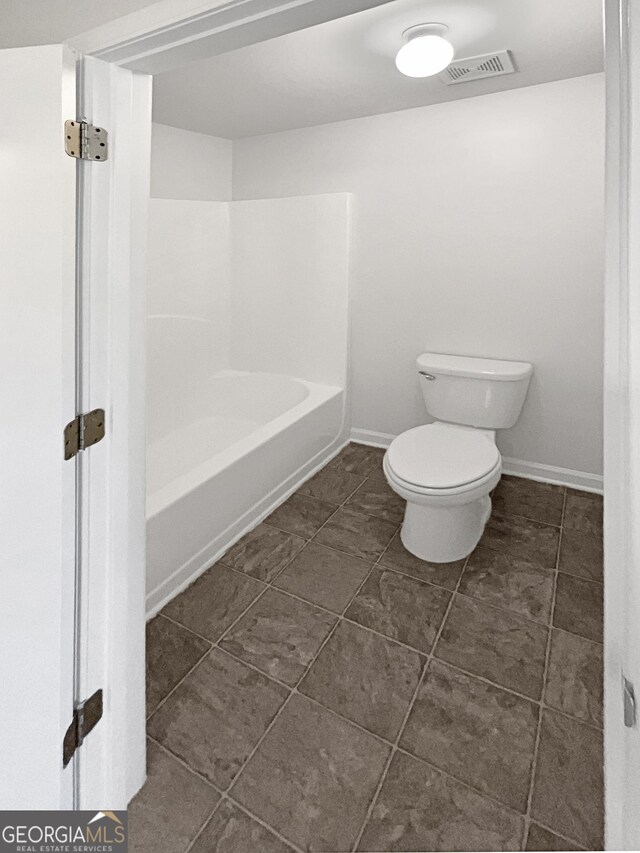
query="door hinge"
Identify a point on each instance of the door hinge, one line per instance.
(85, 718)
(83, 431)
(629, 703)
(85, 141)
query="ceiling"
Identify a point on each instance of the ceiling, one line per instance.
(339, 70)
(345, 68)
(28, 22)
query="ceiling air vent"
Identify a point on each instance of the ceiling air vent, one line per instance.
(478, 67)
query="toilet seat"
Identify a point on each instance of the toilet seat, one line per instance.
(442, 459)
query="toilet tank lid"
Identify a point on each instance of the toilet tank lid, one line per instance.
(474, 368)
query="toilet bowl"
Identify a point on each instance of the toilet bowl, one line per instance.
(446, 470)
(445, 473)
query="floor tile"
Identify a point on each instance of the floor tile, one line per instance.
(540, 838)
(579, 607)
(376, 497)
(400, 607)
(365, 678)
(509, 582)
(537, 501)
(568, 787)
(230, 830)
(478, 733)
(324, 576)
(217, 715)
(302, 515)
(444, 574)
(263, 552)
(357, 534)
(574, 677)
(312, 777)
(331, 484)
(581, 554)
(279, 635)
(214, 601)
(420, 809)
(499, 646)
(171, 652)
(358, 459)
(522, 538)
(171, 807)
(583, 511)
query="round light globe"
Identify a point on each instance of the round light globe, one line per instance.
(424, 56)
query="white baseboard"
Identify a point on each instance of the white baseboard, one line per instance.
(516, 467)
(374, 439)
(581, 480)
(198, 564)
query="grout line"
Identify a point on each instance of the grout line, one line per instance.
(294, 690)
(383, 740)
(351, 493)
(581, 577)
(342, 616)
(259, 742)
(267, 585)
(339, 617)
(204, 825)
(242, 615)
(545, 673)
(186, 627)
(224, 798)
(252, 666)
(503, 514)
(484, 794)
(175, 687)
(386, 567)
(394, 747)
(579, 636)
(224, 794)
(504, 610)
(263, 823)
(184, 764)
(560, 835)
(485, 680)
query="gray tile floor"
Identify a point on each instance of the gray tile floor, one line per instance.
(321, 689)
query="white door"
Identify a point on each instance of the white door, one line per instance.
(37, 399)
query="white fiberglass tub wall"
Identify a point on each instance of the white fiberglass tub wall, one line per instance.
(264, 288)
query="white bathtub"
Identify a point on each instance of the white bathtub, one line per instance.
(221, 458)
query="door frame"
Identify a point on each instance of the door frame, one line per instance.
(622, 420)
(111, 240)
(115, 66)
(163, 36)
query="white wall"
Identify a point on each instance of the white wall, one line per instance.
(188, 330)
(290, 273)
(187, 165)
(477, 229)
(258, 286)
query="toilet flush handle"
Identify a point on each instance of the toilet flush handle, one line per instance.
(429, 376)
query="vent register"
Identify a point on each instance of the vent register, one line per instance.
(478, 67)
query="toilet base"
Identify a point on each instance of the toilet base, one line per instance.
(444, 534)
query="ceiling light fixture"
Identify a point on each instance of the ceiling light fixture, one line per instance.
(425, 51)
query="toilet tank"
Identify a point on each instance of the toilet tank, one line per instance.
(478, 392)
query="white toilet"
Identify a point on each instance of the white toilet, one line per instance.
(446, 470)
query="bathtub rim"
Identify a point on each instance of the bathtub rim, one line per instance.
(171, 587)
(177, 488)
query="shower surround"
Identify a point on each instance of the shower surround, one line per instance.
(247, 368)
